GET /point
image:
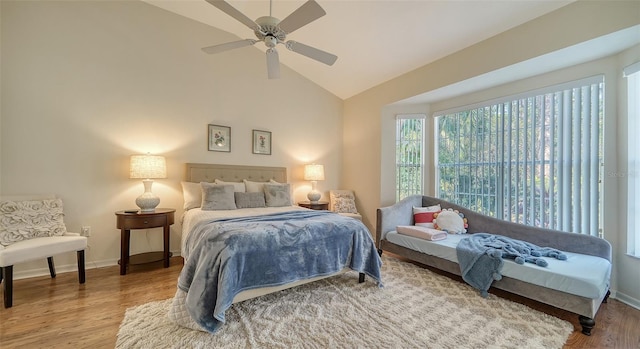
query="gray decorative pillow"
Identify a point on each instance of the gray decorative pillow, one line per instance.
(217, 197)
(24, 220)
(277, 195)
(249, 200)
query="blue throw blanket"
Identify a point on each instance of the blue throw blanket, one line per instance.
(480, 257)
(228, 256)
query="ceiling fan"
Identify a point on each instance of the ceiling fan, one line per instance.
(273, 31)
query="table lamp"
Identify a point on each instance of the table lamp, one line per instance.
(314, 173)
(147, 167)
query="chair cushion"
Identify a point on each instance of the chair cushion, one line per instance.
(27, 219)
(352, 215)
(39, 248)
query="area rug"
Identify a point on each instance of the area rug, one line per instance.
(416, 308)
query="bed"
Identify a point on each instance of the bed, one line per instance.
(242, 238)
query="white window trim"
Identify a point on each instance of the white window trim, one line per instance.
(632, 73)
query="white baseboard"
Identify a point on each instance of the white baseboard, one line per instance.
(626, 299)
(68, 268)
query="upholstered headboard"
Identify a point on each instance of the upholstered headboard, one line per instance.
(234, 173)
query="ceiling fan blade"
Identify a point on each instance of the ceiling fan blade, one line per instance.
(228, 46)
(311, 52)
(305, 14)
(231, 11)
(273, 64)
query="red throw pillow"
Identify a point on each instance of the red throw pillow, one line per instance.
(423, 216)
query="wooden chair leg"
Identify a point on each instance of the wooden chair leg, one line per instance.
(81, 271)
(7, 274)
(52, 267)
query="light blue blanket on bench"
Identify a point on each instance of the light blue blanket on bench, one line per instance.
(480, 257)
(228, 256)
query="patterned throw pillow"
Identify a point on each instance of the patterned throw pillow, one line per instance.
(344, 205)
(423, 216)
(24, 220)
(343, 202)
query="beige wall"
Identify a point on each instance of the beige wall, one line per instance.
(87, 84)
(368, 116)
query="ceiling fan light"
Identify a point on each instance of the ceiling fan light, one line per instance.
(270, 41)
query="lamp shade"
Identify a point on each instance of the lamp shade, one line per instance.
(314, 172)
(148, 166)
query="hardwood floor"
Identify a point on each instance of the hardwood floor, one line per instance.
(60, 313)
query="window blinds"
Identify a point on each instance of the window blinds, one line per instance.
(534, 158)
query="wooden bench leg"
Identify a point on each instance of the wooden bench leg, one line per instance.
(7, 275)
(52, 267)
(81, 269)
(587, 324)
(606, 296)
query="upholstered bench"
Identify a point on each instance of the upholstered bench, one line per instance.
(579, 284)
(32, 228)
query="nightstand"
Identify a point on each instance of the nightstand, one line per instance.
(320, 205)
(160, 218)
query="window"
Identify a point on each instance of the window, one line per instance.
(632, 73)
(533, 159)
(409, 155)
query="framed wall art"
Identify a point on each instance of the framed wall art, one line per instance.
(261, 142)
(219, 138)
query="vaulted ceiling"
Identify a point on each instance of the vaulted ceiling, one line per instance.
(377, 40)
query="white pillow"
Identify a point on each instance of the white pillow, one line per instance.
(254, 187)
(453, 222)
(238, 187)
(192, 193)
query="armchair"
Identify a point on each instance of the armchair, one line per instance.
(32, 228)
